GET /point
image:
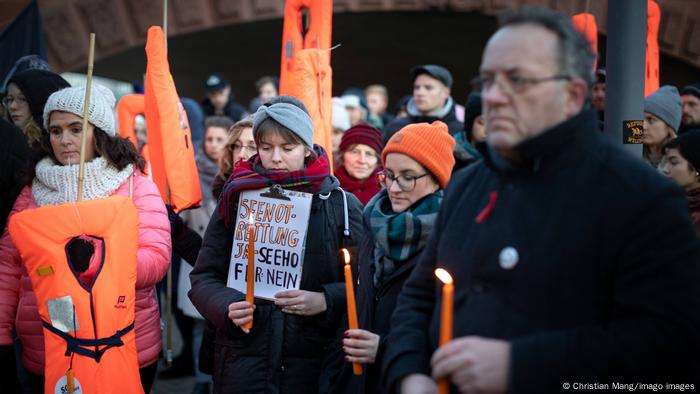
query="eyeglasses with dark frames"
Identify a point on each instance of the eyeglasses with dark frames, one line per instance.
(406, 182)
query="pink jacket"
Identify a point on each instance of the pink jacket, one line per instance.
(18, 302)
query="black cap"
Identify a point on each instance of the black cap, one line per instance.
(600, 75)
(472, 109)
(215, 82)
(36, 86)
(693, 89)
(438, 72)
(690, 147)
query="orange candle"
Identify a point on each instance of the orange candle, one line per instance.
(352, 309)
(446, 318)
(250, 275)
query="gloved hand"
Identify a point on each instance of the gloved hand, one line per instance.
(8, 370)
(177, 225)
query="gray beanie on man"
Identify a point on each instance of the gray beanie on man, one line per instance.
(665, 104)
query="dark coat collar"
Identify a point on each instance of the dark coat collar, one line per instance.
(556, 144)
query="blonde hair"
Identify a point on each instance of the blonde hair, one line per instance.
(379, 89)
(234, 134)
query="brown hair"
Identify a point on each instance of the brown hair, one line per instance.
(234, 133)
(33, 132)
(223, 122)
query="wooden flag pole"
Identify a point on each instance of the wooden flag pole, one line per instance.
(86, 111)
(165, 21)
(169, 279)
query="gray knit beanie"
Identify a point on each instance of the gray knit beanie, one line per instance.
(100, 113)
(665, 104)
(288, 115)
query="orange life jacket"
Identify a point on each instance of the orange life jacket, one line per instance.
(169, 137)
(313, 87)
(88, 328)
(128, 107)
(306, 63)
(320, 13)
(586, 25)
(651, 71)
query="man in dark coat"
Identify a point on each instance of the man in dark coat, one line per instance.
(574, 263)
(220, 100)
(431, 101)
(691, 108)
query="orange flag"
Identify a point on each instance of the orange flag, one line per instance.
(169, 137)
(651, 71)
(586, 25)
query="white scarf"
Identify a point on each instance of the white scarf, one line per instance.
(58, 184)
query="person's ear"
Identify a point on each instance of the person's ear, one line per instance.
(577, 92)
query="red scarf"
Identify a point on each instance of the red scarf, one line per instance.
(250, 175)
(363, 190)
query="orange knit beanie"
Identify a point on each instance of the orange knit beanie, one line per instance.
(431, 145)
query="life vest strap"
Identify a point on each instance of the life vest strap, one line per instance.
(80, 345)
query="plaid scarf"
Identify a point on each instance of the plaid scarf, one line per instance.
(250, 175)
(399, 236)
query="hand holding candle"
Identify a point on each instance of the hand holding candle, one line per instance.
(250, 274)
(446, 318)
(352, 309)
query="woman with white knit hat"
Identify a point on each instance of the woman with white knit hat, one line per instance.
(112, 167)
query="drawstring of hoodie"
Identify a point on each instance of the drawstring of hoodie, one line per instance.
(488, 209)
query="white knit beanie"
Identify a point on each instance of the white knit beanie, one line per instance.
(100, 113)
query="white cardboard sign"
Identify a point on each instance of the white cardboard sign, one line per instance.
(280, 237)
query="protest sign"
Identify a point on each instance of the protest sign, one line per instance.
(281, 220)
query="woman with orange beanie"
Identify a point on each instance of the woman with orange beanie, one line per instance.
(417, 164)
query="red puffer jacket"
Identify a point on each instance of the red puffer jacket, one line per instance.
(18, 302)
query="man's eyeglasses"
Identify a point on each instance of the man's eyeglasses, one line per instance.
(406, 182)
(511, 83)
(252, 149)
(8, 100)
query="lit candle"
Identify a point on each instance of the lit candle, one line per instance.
(352, 309)
(250, 276)
(446, 318)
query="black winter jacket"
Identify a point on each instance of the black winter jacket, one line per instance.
(283, 353)
(14, 162)
(232, 109)
(454, 126)
(374, 309)
(607, 282)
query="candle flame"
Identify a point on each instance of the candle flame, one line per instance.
(444, 276)
(346, 255)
